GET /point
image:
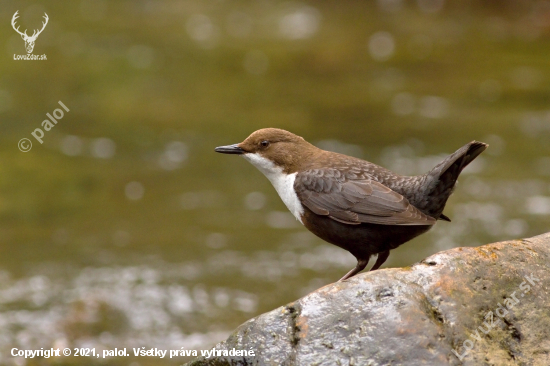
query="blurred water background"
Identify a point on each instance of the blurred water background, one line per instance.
(125, 229)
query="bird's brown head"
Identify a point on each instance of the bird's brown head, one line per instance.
(285, 150)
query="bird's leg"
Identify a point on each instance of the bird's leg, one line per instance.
(361, 264)
(380, 260)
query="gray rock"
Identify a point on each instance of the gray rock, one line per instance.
(436, 312)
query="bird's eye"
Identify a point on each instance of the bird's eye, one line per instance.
(264, 143)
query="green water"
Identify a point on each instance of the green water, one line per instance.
(125, 229)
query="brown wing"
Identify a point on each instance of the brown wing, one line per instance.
(328, 192)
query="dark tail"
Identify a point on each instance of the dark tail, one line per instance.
(440, 181)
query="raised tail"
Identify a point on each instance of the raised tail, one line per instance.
(440, 181)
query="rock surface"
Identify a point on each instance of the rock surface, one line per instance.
(466, 306)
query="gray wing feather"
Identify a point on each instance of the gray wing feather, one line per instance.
(355, 201)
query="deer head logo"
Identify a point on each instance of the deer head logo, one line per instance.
(29, 41)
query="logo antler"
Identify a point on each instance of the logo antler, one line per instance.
(29, 41)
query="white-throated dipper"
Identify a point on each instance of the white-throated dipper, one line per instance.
(356, 205)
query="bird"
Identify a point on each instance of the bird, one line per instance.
(349, 202)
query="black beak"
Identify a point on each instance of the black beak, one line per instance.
(230, 149)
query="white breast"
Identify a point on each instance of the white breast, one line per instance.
(283, 183)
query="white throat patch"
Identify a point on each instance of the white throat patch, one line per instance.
(283, 183)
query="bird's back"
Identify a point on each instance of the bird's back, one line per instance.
(428, 192)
